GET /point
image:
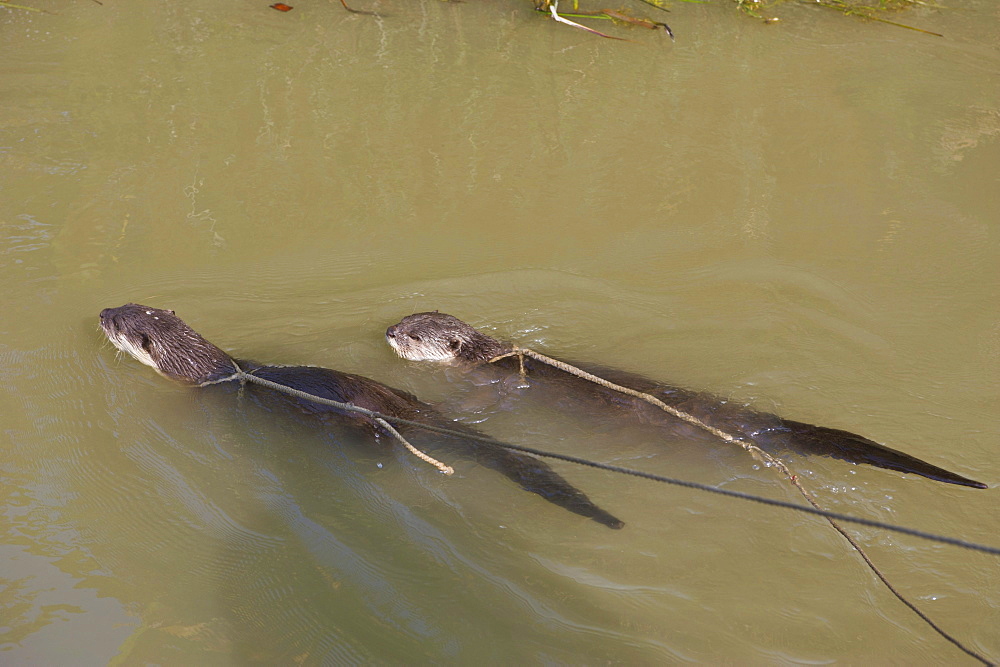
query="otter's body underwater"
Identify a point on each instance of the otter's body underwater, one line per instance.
(160, 339)
(444, 338)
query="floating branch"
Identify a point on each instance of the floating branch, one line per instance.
(553, 7)
(359, 11)
(866, 12)
(10, 5)
(866, 9)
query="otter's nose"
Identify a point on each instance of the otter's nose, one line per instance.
(391, 332)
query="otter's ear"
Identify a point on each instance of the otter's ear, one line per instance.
(454, 344)
(171, 312)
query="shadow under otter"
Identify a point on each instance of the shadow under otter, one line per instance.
(444, 338)
(160, 339)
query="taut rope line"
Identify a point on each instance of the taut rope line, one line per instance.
(755, 451)
(871, 523)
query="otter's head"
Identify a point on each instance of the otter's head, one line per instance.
(160, 339)
(439, 337)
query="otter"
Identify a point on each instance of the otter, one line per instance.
(160, 339)
(436, 336)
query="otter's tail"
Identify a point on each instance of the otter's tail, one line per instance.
(536, 476)
(856, 449)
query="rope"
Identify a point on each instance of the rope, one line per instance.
(755, 451)
(831, 517)
(521, 352)
(816, 509)
(446, 469)
(400, 421)
(379, 419)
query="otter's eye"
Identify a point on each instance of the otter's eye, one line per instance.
(146, 343)
(414, 337)
(454, 343)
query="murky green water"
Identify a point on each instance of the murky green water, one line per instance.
(802, 215)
